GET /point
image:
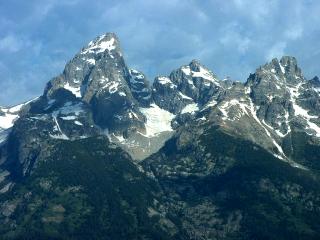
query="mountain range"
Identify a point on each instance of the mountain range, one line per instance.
(105, 154)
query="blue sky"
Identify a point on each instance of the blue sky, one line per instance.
(232, 38)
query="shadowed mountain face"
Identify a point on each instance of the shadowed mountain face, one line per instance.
(105, 154)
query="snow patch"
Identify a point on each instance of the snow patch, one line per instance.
(78, 123)
(75, 90)
(67, 109)
(103, 80)
(158, 120)
(90, 60)
(17, 108)
(282, 68)
(184, 96)
(60, 135)
(186, 70)
(203, 118)
(8, 120)
(190, 108)
(203, 73)
(247, 90)
(69, 118)
(227, 105)
(135, 74)
(114, 87)
(120, 138)
(317, 90)
(11, 115)
(299, 111)
(165, 81)
(100, 46)
(211, 103)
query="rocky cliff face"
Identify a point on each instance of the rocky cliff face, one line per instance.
(186, 89)
(99, 76)
(185, 134)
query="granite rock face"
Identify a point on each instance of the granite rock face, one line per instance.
(99, 76)
(191, 84)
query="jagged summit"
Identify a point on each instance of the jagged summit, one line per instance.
(99, 67)
(186, 88)
(104, 43)
(315, 81)
(286, 67)
(274, 77)
(290, 65)
(106, 94)
(196, 69)
(195, 65)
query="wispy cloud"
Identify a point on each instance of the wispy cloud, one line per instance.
(231, 37)
(13, 43)
(10, 43)
(294, 32)
(277, 50)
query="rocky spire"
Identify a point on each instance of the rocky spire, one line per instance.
(195, 65)
(290, 66)
(315, 81)
(99, 76)
(92, 68)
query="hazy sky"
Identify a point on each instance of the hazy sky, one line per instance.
(232, 38)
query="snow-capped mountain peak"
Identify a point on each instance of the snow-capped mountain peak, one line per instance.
(274, 103)
(196, 70)
(104, 43)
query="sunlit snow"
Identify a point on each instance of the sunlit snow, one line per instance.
(100, 45)
(299, 111)
(203, 73)
(190, 108)
(158, 120)
(75, 90)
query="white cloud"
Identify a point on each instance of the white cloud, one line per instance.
(233, 38)
(202, 16)
(41, 9)
(276, 51)
(14, 43)
(258, 11)
(293, 33)
(10, 43)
